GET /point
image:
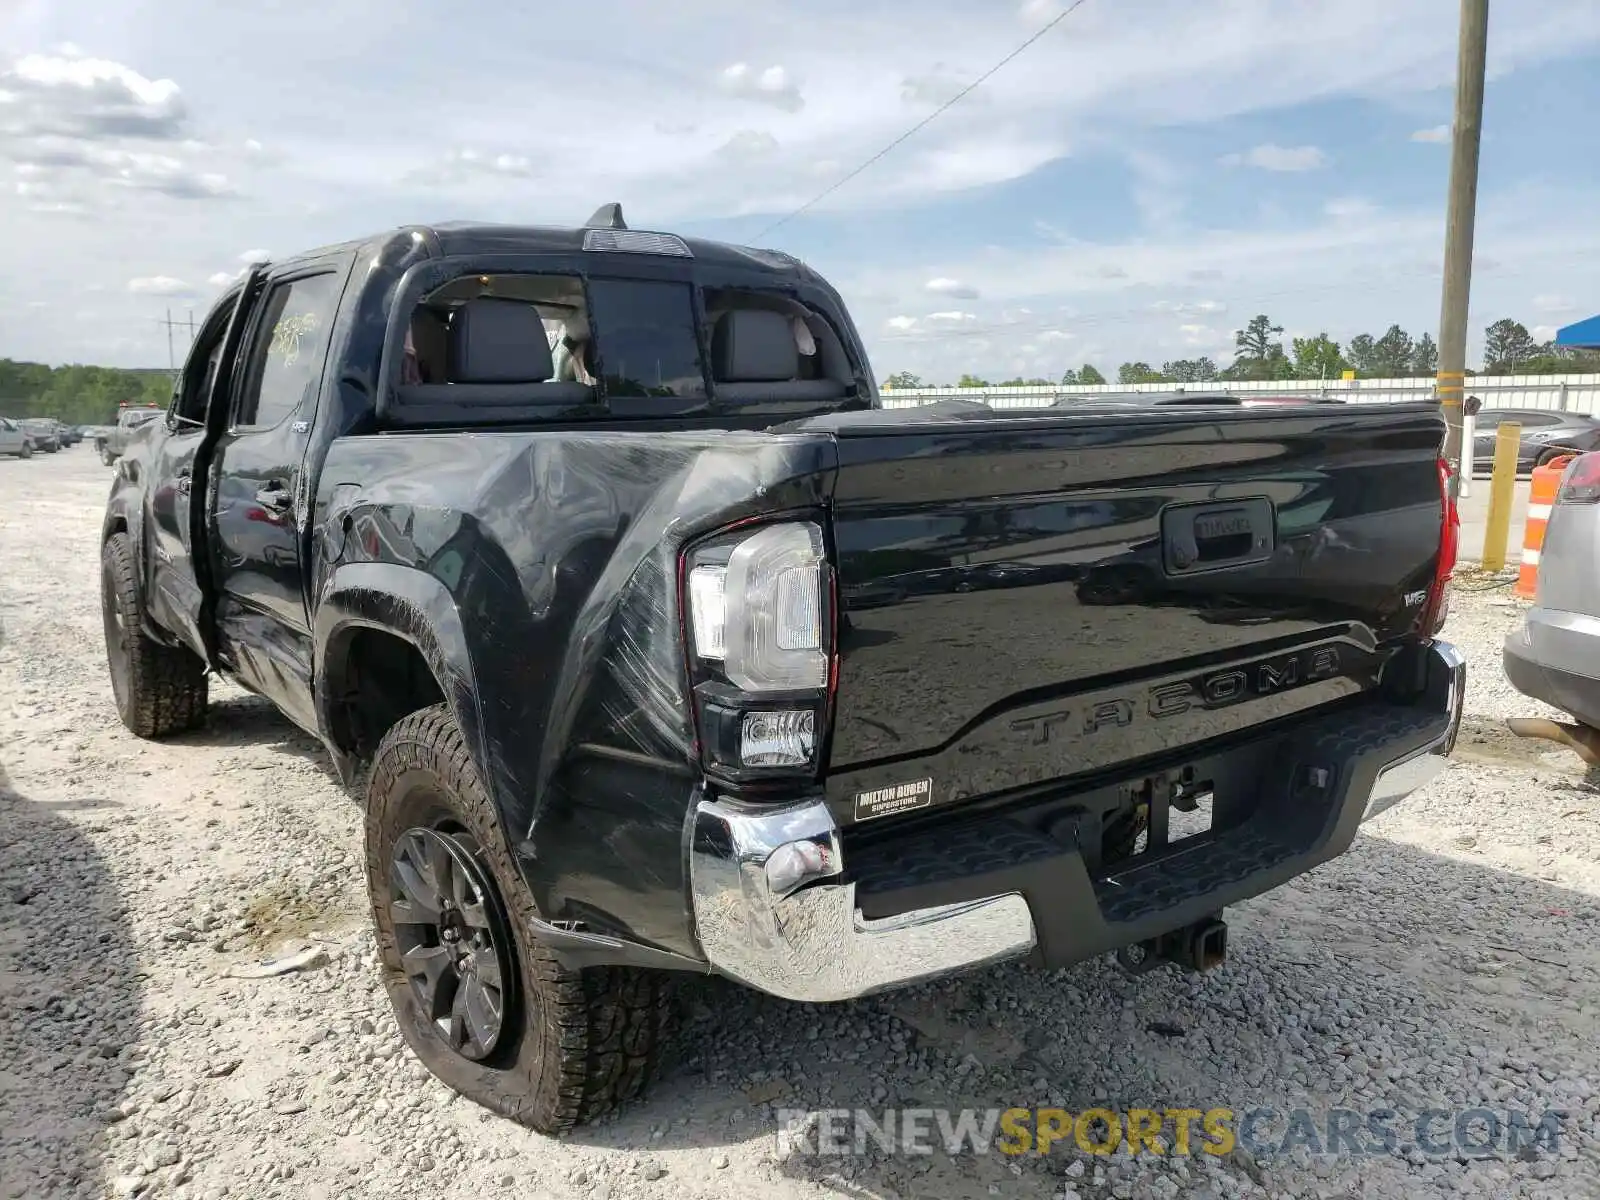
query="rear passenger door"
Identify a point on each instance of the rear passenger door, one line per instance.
(174, 590)
(259, 505)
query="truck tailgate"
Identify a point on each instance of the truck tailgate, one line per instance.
(1029, 599)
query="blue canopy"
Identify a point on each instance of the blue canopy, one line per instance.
(1580, 333)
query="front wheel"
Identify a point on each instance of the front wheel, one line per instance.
(485, 1006)
(159, 690)
(26, 451)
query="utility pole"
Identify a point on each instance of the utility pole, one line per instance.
(1461, 213)
(172, 356)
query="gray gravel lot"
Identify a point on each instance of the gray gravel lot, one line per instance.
(1449, 961)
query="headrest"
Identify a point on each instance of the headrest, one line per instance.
(753, 345)
(498, 341)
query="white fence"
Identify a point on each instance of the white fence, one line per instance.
(1561, 393)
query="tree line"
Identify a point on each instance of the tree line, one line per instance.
(1259, 354)
(77, 395)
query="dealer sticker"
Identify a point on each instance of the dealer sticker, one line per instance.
(898, 798)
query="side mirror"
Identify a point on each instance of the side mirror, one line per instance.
(1473, 406)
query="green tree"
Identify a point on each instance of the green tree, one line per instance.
(1393, 354)
(1138, 372)
(1257, 352)
(901, 380)
(1190, 370)
(77, 394)
(1507, 344)
(1363, 354)
(1090, 377)
(1318, 358)
(1070, 377)
(972, 381)
(1425, 357)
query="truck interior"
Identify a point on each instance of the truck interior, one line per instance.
(558, 339)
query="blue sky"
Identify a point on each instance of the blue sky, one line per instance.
(1136, 185)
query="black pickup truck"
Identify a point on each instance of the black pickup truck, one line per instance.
(669, 649)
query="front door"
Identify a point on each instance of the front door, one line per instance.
(260, 509)
(174, 590)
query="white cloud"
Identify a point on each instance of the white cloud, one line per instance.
(221, 279)
(255, 256)
(771, 86)
(1349, 208)
(1543, 333)
(951, 287)
(938, 85)
(1554, 305)
(748, 144)
(159, 285)
(1039, 12)
(953, 316)
(1437, 133)
(901, 323)
(66, 95)
(1271, 157)
(468, 165)
(1057, 335)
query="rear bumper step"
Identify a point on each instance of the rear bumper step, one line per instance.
(777, 908)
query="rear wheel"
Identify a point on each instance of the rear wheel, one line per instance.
(26, 451)
(106, 456)
(159, 689)
(485, 1006)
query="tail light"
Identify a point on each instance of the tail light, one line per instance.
(1438, 605)
(759, 634)
(1580, 484)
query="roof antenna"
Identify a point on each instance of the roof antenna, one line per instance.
(607, 216)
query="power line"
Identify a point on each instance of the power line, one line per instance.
(924, 123)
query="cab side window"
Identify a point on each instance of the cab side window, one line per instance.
(291, 346)
(194, 389)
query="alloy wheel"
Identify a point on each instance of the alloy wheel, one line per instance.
(453, 942)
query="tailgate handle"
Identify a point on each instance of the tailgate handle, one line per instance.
(1206, 537)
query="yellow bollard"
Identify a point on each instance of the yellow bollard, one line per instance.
(1502, 490)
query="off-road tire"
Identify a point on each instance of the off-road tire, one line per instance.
(159, 690)
(577, 1043)
(26, 451)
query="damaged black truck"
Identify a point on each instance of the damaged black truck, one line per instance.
(667, 648)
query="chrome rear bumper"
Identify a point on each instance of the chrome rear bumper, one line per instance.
(773, 910)
(766, 918)
(1446, 691)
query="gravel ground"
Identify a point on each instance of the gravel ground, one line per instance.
(1448, 961)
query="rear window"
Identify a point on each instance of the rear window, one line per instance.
(552, 343)
(645, 336)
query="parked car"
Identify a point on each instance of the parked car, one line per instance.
(1546, 434)
(1554, 655)
(14, 440)
(673, 651)
(112, 440)
(69, 434)
(42, 433)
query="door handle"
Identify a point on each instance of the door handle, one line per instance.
(273, 496)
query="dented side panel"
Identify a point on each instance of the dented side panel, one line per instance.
(537, 574)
